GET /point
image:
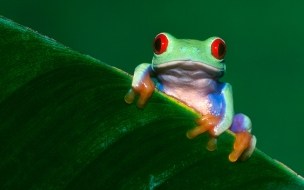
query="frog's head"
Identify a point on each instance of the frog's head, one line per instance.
(189, 54)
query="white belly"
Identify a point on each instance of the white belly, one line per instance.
(197, 93)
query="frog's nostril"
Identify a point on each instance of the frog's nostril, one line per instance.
(183, 48)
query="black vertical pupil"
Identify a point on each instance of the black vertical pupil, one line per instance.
(221, 49)
(157, 44)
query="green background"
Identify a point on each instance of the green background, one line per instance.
(264, 57)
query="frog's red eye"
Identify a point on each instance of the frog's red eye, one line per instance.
(218, 48)
(160, 43)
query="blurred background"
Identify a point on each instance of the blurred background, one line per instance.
(264, 50)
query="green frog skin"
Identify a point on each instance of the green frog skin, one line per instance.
(189, 70)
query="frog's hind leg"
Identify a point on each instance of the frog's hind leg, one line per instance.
(245, 142)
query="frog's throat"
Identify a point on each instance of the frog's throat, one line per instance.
(190, 66)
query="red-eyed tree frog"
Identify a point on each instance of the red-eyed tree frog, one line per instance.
(189, 70)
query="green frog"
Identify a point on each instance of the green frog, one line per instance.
(189, 70)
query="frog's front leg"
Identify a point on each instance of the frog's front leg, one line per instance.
(245, 142)
(141, 84)
(204, 124)
(216, 125)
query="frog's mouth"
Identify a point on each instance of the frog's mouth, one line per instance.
(190, 66)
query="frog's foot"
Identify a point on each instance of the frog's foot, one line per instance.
(243, 147)
(245, 142)
(205, 123)
(144, 88)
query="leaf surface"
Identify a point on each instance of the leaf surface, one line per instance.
(64, 124)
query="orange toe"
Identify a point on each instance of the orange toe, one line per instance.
(129, 97)
(234, 155)
(211, 145)
(241, 143)
(191, 134)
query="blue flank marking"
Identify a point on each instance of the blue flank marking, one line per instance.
(160, 87)
(218, 101)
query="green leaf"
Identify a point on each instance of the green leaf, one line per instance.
(64, 124)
